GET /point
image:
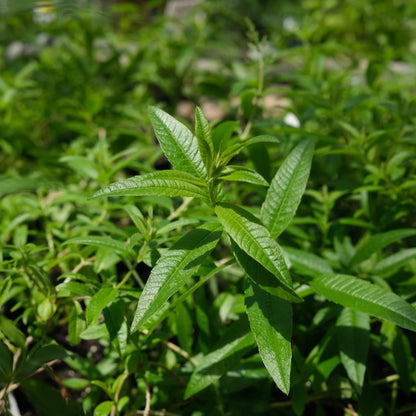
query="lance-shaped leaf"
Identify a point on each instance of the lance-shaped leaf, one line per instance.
(261, 276)
(236, 148)
(99, 241)
(286, 189)
(236, 342)
(353, 335)
(377, 242)
(366, 297)
(255, 240)
(271, 322)
(164, 182)
(98, 302)
(243, 174)
(203, 135)
(403, 361)
(178, 143)
(174, 268)
(395, 261)
(308, 264)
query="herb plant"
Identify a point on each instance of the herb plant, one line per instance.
(261, 262)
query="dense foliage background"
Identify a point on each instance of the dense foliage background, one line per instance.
(76, 82)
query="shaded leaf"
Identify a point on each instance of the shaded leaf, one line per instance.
(308, 264)
(395, 261)
(164, 183)
(98, 302)
(82, 165)
(116, 325)
(366, 297)
(353, 334)
(222, 133)
(178, 143)
(271, 322)
(236, 342)
(76, 324)
(377, 242)
(287, 188)
(403, 361)
(6, 363)
(137, 218)
(11, 332)
(46, 400)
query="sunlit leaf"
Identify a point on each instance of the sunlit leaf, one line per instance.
(242, 174)
(165, 182)
(178, 143)
(255, 240)
(287, 188)
(271, 322)
(366, 297)
(99, 241)
(174, 268)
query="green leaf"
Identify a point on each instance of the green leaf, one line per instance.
(76, 383)
(174, 268)
(104, 408)
(366, 297)
(236, 342)
(11, 332)
(259, 275)
(178, 143)
(99, 241)
(46, 400)
(242, 174)
(83, 166)
(98, 302)
(260, 158)
(395, 261)
(235, 149)
(222, 133)
(402, 354)
(353, 335)
(6, 364)
(116, 325)
(307, 264)
(377, 242)
(255, 240)
(14, 185)
(203, 135)
(95, 332)
(137, 218)
(271, 322)
(164, 183)
(76, 324)
(286, 189)
(184, 325)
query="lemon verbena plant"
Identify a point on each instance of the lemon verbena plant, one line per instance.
(201, 170)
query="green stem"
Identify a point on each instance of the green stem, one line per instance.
(132, 268)
(181, 208)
